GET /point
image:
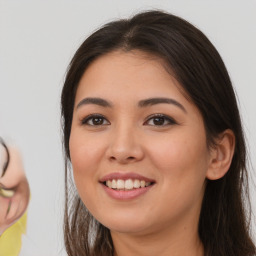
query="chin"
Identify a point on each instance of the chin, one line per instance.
(125, 225)
(128, 229)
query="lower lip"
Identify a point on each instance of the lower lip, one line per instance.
(126, 194)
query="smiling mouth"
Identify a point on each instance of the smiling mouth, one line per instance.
(128, 184)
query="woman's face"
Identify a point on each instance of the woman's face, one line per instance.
(137, 145)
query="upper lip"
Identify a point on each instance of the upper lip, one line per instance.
(125, 176)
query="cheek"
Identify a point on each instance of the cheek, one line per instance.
(82, 157)
(182, 169)
(82, 171)
(182, 158)
(84, 153)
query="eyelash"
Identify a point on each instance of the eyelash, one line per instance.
(169, 120)
(86, 120)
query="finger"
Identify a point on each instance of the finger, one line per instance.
(4, 207)
(12, 211)
(19, 202)
(18, 211)
(6, 222)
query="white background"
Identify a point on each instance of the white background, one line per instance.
(37, 41)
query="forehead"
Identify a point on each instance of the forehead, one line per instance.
(134, 71)
(127, 61)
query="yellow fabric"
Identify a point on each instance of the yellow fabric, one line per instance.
(10, 240)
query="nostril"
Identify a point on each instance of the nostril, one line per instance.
(122, 159)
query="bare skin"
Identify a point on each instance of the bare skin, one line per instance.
(164, 243)
(131, 118)
(12, 208)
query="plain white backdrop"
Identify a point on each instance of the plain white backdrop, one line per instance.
(37, 41)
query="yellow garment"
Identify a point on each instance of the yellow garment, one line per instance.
(10, 240)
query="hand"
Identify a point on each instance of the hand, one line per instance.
(12, 208)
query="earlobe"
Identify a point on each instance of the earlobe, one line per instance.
(221, 155)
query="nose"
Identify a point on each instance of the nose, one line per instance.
(125, 145)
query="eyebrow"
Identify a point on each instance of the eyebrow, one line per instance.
(97, 101)
(154, 101)
(142, 103)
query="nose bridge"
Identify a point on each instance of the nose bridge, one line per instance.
(125, 144)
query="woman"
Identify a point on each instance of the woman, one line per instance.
(153, 133)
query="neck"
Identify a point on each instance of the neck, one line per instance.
(186, 242)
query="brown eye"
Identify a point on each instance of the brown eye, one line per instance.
(95, 120)
(160, 120)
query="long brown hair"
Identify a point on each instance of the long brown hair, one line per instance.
(224, 225)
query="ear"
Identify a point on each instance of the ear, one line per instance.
(221, 155)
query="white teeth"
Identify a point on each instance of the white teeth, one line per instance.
(120, 184)
(136, 184)
(113, 184)
(109, 183)
(127, 184)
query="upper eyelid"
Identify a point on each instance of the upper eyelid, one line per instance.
(167, 117)
(93, 115)
(88, 117)
(161, 115)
